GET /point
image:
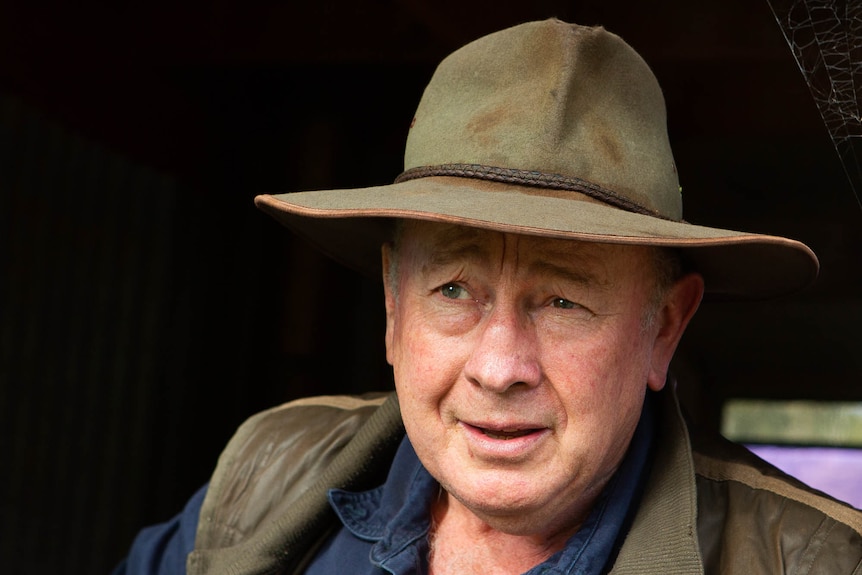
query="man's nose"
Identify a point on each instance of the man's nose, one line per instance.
(505, 352)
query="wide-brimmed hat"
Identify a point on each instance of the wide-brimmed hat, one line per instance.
(547, 129)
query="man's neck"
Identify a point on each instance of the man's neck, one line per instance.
(462, 543)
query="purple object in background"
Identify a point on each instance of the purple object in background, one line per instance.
(833, 470)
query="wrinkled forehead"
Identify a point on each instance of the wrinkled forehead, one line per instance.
(437, 244)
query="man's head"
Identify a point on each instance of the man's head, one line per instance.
(522, 363)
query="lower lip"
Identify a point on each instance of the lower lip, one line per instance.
(514, 448)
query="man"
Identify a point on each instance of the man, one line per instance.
(538, 277)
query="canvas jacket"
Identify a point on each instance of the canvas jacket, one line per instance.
(709, 506)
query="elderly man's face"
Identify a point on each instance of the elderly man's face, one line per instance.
(521, 364)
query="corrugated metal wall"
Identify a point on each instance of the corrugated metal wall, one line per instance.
(84, 301)
(140, 322)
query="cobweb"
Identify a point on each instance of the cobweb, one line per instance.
(825, 37)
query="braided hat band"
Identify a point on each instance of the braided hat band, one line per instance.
(530, 178)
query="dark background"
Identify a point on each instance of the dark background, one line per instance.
(147, 308)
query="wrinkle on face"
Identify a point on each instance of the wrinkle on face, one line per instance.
(449, 244)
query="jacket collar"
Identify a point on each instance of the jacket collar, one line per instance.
(663, 536)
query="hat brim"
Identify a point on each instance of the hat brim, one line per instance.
(350, 226)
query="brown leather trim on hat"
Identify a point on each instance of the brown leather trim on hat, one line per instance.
(529, 178)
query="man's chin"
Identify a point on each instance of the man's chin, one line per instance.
(517, 517)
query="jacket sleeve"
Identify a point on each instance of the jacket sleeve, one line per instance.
(162, 549)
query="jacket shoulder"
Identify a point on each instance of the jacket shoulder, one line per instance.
(273, 458)
(753, 518)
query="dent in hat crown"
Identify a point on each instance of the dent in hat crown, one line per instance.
(550, 102)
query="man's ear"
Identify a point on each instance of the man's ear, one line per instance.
(389, 298)
(678, 307)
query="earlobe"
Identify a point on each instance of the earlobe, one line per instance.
(680, 304)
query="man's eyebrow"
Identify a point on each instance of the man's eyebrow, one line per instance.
(576, 273)
(456, 244)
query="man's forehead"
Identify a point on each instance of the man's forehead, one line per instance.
(438, 243)
(446, 236)
(442, 231)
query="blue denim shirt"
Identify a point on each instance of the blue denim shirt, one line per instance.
(384, 530)
(162, 549)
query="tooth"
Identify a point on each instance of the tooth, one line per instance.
(506, 433)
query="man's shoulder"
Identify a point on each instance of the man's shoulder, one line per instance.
(317, 428)
(278, 455)
(744, 502)
(720, 461)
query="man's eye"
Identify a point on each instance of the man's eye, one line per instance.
(453, 291)
(563, 303)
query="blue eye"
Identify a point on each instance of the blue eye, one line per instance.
(563, 303)
(453, 291)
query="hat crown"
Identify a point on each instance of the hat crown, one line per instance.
(554, 98)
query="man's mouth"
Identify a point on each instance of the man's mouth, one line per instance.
(507, 442)
(506, 433)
